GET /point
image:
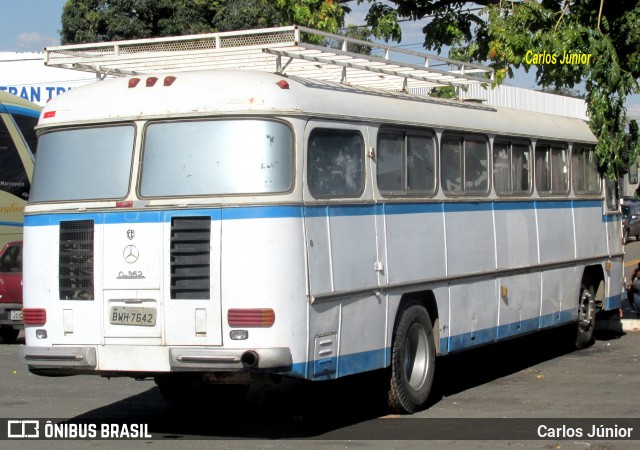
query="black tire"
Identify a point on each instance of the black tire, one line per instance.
(412, 360)
(586, 316)
(625, 237)
(9, 335)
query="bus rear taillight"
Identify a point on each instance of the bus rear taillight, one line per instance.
(256, 317)
(34, 316)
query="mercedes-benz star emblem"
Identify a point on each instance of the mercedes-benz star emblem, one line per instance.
(131, 254)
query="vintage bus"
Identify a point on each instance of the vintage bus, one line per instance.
(18, 119)
(222, 227)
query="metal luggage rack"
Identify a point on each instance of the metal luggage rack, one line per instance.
(284, 50)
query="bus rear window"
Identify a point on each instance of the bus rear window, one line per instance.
(216, 157)
(83, 164)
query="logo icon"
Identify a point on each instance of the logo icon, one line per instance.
(131, 234)
(23, 429)
(131, 254)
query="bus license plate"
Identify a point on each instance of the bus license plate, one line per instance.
(126, 315)
(16, 314)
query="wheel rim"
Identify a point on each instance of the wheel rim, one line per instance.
(416, 358)
(586, 310)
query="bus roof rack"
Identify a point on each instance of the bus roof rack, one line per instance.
(284, 50)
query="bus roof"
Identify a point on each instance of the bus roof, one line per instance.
(220, 92)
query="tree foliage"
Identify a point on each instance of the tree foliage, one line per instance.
(502, 33)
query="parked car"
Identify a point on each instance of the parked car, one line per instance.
(630, 221)
(11, 291)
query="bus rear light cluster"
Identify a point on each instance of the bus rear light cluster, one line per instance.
(255, 317)
(151, 81)
(34, 316)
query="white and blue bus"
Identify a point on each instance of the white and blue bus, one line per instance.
(214, 227)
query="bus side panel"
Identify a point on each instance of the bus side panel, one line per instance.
(362, 335)
(352, 231)
(474, 312)
(470, 238)
(559, 296)
(555, 228)
(519, 300)
(263, 266)
(591, 233)
(414, 238)
(516, 235)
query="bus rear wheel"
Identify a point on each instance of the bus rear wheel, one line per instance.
(586, 316)
(412, 361)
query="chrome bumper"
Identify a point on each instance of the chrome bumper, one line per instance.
(180, 358)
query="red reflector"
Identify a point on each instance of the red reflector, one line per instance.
(124, 204)
(49, 114)
(151, 81)
(258, 317)
(283, 84)
(168, 81)
(34, 316)
(133, 82)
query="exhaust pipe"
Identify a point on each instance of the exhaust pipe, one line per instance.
(249, 359)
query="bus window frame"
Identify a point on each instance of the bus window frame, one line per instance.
(147, 123)
(463, 192)
(356, 130)
(531, 177)
(558, 145)
(406, 133)
(583, 166)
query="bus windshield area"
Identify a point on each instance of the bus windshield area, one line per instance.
(216, 157)
(83, 164)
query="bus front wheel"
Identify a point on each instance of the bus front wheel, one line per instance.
(412, 360)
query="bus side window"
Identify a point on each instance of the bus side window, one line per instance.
(511, 168)
(335, 163)
(552, 169)
(464, 165)
(585, 170)
(405, 163)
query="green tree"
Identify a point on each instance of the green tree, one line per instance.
(112, 20)
(502, 33)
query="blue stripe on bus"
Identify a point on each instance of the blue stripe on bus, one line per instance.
(376, 359)
(11, 224)
(14, 109)
(613, 302)
(299, 211)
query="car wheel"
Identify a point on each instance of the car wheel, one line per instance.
(625, 237)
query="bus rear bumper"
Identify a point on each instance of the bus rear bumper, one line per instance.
(58, 357)
(171, 359)
(229, 359)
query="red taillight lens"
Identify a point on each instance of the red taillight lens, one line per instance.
(34, 316)
(49, 114)
(256, 317)
(133, 82)
(282, 84)
(151, 81)
(168, 80)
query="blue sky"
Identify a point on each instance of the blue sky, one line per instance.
(31, 25)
